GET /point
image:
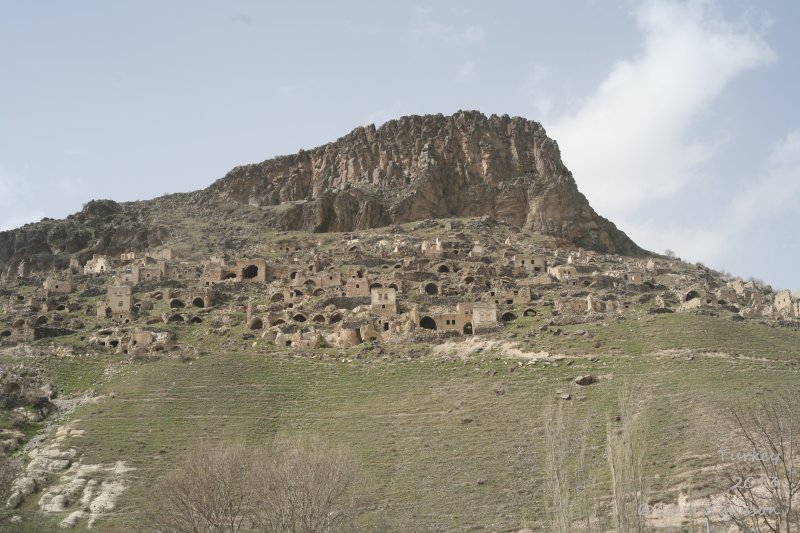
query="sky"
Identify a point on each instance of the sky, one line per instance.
(677, 118)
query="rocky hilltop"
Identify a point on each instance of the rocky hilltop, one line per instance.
(420, 167)
(409, 169)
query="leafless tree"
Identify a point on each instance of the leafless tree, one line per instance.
(567, 482)
(306, 487)
(298, 486)
(209, 493)
(761, 478)
(626, 447)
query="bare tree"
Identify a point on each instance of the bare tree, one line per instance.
(292, 486)
(761, 478)
(306, 487)
(209, 493)
(557, 482)
(567, 481)
(625, 447)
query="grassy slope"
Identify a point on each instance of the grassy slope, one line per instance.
(405, 421)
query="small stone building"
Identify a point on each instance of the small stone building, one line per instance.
(58, 285)
(98, 264)
(118, 304)
(562, 272)
(356, 287)
(251, 270)
(530, 263)
(384, 301)
(484, 316)
(784, 306)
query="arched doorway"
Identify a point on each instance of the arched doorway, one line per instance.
(249, 272)
(468, 328)
(691, 295)
(427, 322)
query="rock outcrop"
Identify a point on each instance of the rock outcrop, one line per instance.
(422, 167)
(101, 226)
(413, 168)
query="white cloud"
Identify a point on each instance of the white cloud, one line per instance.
(773, 193)
(776, 190)
(630, 141)
(430, 30)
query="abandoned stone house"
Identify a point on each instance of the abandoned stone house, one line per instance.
(434, 249)
(118, 304)
(698, 298)
(753, 298)
(251, 270)
(139, 274)
(562, 272)
(597, 305)
(727, 296)
(215, 272)
(181, 271)
(356, 287)
(469, 318)
(59, 284)
(202, 297)
(571, 306)
(384, 301)
(633, 275)
(530, 263)
(98, 264)
(784, 306)
(742, 287)
(521, 295)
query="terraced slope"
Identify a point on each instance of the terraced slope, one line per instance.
(443, 445)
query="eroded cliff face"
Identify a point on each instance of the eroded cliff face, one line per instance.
(413, 168)
(101, 226)
(421, 167)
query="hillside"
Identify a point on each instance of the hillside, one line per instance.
(434, 334)
(410, 169)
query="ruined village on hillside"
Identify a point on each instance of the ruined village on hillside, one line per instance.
(421, 282)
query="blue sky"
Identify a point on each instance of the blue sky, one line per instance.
(678, 118)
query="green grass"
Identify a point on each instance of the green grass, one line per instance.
(406, 422)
